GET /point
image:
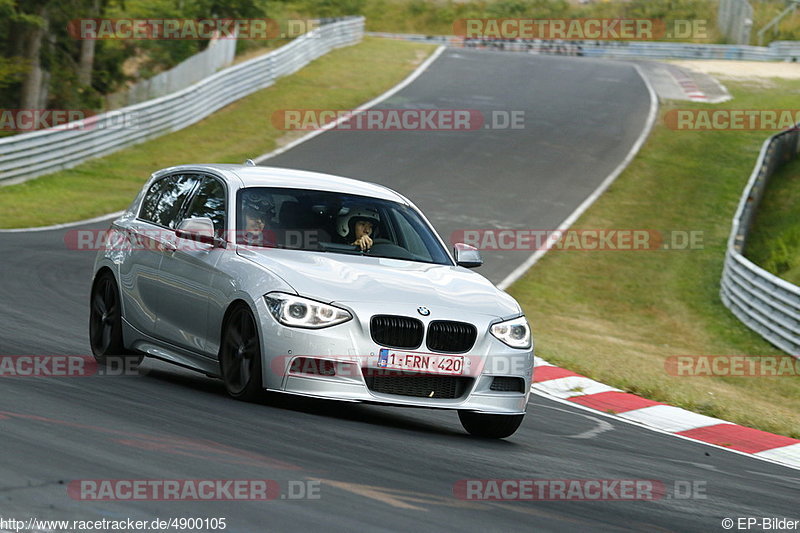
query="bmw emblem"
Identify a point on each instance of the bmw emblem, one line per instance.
(424, 311)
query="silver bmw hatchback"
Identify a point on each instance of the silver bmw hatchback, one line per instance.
(310, 284)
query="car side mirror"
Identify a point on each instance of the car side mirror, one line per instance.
(467, 256)
(200, 229)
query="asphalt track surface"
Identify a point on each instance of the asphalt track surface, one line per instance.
(380, 468)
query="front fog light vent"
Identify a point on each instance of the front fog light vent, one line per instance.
(508, 384)
(313, 367)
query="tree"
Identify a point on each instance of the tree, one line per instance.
(86, 63)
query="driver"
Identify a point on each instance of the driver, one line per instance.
(358, 226)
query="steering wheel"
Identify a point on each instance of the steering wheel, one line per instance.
(389, 249)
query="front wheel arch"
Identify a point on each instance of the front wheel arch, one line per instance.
(253, 389)
(116, 348)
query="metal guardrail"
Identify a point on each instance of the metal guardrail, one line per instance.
(776, 51)
(764, 302)
(220, 53)
(28, 155)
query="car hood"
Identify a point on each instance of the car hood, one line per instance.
(344, 278)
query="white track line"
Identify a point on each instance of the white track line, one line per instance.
(575, 405)
(534, 258)
(651, 119)
(519, 271)
(725, 94)
(66, 225)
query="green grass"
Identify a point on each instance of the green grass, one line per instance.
(437, 17)
(343, 79)
(617, 316)
(774, 241)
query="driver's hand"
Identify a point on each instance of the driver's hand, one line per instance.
(364, 242)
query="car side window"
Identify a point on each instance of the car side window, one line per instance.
(209, 201)
(163, 202)
(150, 201)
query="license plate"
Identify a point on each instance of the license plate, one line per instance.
(421, 362)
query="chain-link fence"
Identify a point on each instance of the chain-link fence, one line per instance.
(735, 20)
(776, 51)
(219, 54)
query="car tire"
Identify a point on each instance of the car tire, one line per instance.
(105, 325)
(240, 355)
(490, 426)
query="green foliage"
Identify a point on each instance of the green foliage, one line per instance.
(109, 58)
(666, 9)
(527, 8)
(227, 8)
(774, 240)
(60, 52)
(438, 16)
(788, 29)
(342, 79)
(616, 317)
(332, 8)
(119, 62)
(11, 71)
(784, 252)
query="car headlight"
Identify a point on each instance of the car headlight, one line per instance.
(300, 312)
(515, 332)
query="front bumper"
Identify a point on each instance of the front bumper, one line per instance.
(348, 352)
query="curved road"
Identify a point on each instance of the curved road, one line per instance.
(379, 469)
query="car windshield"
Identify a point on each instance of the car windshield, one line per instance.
(324, 221)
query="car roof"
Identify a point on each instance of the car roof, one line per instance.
(255, 176)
